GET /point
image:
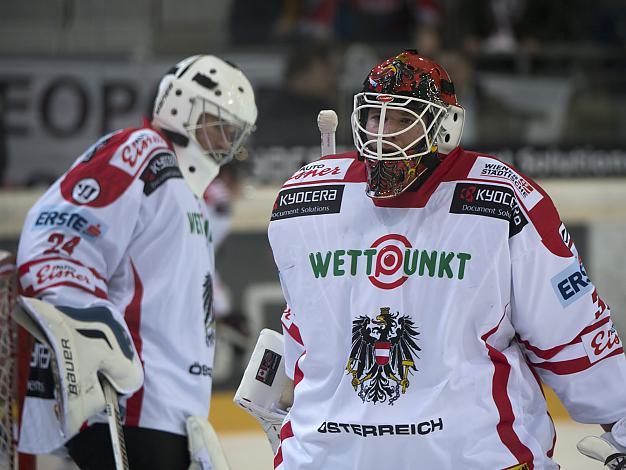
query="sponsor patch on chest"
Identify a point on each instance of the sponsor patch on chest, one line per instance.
(489, 201)
(309, 200)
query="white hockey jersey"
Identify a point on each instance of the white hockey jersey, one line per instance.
(122, 229)
(419, 327)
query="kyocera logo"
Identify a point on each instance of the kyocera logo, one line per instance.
(389, 262)
(480, 193)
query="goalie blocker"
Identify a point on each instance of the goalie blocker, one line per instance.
(84, 343)
(265, 391)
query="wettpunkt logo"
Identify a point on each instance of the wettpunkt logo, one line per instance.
(389, 262)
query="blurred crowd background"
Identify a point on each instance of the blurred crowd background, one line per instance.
(543, 83)
(540, 80)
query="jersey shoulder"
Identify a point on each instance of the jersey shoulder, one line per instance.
(483, 177)
(110, 166)
(338, 168)
(488, 168)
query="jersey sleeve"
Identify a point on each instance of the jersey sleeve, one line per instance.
(75, 237)
(562, 323)
(294, 347)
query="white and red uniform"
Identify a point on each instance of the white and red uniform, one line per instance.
(419, 326)
(122, 229)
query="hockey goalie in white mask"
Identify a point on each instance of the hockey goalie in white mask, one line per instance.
(126, 293)
(206, 107)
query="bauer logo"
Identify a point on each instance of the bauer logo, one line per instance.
(310, 200)
(389, 262)
(268, 368)
(571, 284)
(489, 201)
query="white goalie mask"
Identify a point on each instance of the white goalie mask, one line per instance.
(206, 106)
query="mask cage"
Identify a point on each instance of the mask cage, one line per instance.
(427, 114)
(233, 131)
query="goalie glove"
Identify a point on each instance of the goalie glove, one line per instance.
(610, 448)
(84, 343)
(265, 385)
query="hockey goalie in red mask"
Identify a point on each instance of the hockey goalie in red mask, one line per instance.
(404, 122)
(429, 307)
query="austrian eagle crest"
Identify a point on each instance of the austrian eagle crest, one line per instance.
(382, 357)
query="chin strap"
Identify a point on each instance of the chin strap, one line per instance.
(426, 168)
(176, 138)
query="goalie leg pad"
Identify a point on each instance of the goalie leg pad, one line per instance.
(84, 343)
(265, 384)
(204, 446)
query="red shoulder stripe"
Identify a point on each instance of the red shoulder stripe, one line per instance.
(103, 176)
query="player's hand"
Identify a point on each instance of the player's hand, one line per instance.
(605, 450)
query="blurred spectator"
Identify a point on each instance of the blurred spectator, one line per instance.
(544, 23)
(383, 21)
(253, 22)
(288, 113)
(490, 25)
(389, 21)
(609, 24)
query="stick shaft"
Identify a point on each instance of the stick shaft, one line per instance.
(328, 144)
(115, 426)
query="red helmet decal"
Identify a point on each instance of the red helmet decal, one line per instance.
(409, 73)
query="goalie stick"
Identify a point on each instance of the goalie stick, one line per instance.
(327, 123)
(114, 419)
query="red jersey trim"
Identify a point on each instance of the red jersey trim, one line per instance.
(550, 451)
(573, 366)
(502, 371)
(285, 433)
(30, 291)
(550, 353)
(298, 375)
(132, 315)
(105, 181)
(23, 268)
(293, 330)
